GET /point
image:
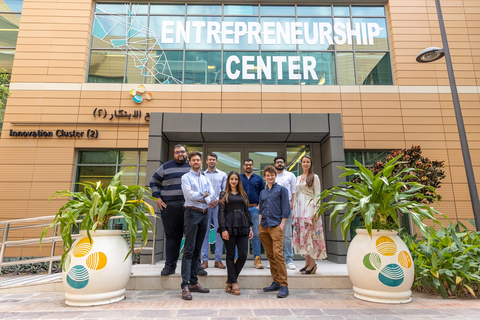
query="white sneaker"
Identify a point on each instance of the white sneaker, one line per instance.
(268, 266)
(291, 266)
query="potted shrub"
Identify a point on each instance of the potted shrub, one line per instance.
(379, 263)
(97, 266)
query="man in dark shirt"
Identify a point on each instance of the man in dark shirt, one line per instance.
(274, 211)
(253, 185)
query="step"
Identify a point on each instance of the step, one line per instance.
(329, 275)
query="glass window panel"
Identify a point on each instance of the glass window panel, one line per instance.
(374, 157)
(106, 67)
(139, 8)
(137, 34)
(294, 154)
(93, 174)
(205, 43)
(341, 10)
(136, 69)
(344, 38)
(142, 176)
(167, 9)
(98, 157)
(130, 176)
(277, 10)
(231, 9)
(229, 161)
(345, 68)
(112, 8)
(128, 158)
(171, 23)
(143, 157)
(374, 68)
(314, 10)
(237, 67)
(12, 5)
(242, 40)
(261, 159)
(193, 147)
(372, 26)
(9, 23)
(166, 68)
(312, 34)
(350, 158)
(276, 25)
(279, 70)
(203, 67)
(324, 69)
(6, 59)
(204, 9)
(109, 31)
(368, 11)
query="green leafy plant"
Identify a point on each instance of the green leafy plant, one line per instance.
(376, 198)
(97, 205)
(448, 261)
(4, 93)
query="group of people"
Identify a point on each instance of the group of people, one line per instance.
(242, 207)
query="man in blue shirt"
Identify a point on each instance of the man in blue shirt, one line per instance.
(274, 211)
(253, 185)
(199, 196)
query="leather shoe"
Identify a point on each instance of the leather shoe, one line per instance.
(201, 272)
(198, 288)
(186, 295)
(283, 292)
(167, 271)
(219, 265)
(273, 287)
(205, 264)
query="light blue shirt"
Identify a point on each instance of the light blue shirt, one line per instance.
(218, 179)
(194, 185)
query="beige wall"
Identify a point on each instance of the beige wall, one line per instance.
(48, 88)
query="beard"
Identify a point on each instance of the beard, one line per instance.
(181, 161)
(279, 168)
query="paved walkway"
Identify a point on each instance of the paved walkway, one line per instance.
(252, 304)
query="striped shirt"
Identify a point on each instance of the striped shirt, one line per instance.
(166, 182)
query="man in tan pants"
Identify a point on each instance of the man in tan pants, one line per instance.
(274, 206)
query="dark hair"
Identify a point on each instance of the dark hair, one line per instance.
(279, 158)
(310, 175)
(180, 146)
(211, 154)
(247, 160)
(194, 153)
(270, 169)
(240, 189)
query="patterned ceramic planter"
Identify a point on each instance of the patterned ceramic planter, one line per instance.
(96, 273)
(380, 268)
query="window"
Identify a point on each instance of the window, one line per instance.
(294, 157)
(367, 158)
(240, 44)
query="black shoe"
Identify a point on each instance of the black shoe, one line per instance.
(283, 292)
(273, 287)
(167, 271)
(201, 272)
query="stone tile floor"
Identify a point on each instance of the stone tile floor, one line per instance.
(252, 304)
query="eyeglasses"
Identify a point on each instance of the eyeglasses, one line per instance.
(180, 152)
(279, 161)
(248, 165)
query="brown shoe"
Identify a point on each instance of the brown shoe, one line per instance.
(186, 295)
(228, 288)
(235, 289)
(257, 263)
(219, 265)
(205, 264)
(198, 288)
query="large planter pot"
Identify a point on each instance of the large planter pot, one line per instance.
(381, 267)
(97, 273)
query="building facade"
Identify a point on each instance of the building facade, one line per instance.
(101, 86)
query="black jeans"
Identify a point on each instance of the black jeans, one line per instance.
(173, 224)
(195, 228)
(234, 268)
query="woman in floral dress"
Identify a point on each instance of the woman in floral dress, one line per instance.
(308, 239)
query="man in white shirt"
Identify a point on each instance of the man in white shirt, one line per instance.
(286, 179)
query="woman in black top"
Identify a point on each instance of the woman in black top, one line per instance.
(235, 226)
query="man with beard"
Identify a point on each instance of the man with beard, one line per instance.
(253, 184)
(286, 179)
(166, 185)
(199, 196)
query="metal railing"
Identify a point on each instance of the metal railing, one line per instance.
(7, 228)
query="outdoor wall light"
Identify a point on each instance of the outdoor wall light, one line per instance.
(430, 54)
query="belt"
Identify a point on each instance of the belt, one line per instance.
(252, 205)
(198, 209)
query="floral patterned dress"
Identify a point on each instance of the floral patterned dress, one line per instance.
(308, 236)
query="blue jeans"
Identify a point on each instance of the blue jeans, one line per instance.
(212, 215)
(256, 245)
(287, 240)
(195, 228)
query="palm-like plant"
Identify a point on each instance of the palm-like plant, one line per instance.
(97, 205)
(377, 198)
